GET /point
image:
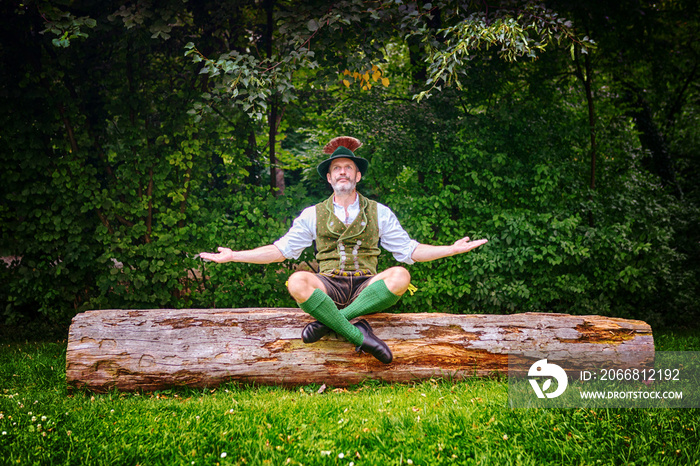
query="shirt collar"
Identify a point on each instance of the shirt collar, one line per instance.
(347, 216)
(354, 205)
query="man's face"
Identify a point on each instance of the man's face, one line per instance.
(343, 176)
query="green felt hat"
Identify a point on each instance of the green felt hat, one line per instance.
(342, 148)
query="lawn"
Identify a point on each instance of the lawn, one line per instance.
(428, 423)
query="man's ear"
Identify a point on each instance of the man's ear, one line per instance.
(328, 177)
(358, 176)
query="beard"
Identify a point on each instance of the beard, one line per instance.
(345, 188)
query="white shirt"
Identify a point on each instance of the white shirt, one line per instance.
(392, 236)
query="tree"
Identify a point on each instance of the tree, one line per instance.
(136, 135)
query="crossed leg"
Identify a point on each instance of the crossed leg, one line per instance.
(312, 296)
(302, 284)
(396, 279)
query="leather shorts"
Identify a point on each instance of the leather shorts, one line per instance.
(343, 288)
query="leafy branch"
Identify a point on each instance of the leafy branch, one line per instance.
(517, 33)
(64, 25)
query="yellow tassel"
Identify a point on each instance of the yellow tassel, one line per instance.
(412, 289)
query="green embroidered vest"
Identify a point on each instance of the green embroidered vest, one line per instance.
(351, 249)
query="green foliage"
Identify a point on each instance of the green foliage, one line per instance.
(131, 140)
(514, 174)
(515, 31)
(108, 185)
(63, 24)
(243, 220)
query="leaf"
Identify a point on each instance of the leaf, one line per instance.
(312, 25)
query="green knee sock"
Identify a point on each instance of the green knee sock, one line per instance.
(322, 308)
(374, 298)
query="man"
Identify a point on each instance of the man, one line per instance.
(348, 229)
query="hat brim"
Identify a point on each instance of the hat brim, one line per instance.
(362, 164)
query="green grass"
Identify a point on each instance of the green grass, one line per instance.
(433, 422)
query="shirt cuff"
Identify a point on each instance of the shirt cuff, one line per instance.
(284, 248)
(405, 254)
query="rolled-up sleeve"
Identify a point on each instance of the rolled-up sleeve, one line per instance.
(300, 236)
(393, 237)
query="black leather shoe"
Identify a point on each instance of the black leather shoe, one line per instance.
(314, 332)
(364, 324)
(373, 345)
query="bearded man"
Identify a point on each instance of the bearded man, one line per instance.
(348, 229)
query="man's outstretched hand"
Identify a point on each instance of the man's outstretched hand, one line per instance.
(262, 255)
(224, 255)
(270, 253)
(465, 244)
(427, 252)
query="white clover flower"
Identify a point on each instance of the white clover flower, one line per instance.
(223, 455)
(43, 418)
(4, 432)
(325, 453)
(341, 455)
(505, 436)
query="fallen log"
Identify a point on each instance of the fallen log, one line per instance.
(157, 349)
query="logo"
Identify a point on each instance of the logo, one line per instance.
(543, 369)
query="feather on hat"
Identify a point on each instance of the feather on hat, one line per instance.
(342, 147)
(350, 143)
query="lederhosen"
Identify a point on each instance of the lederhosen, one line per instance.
(347, 254)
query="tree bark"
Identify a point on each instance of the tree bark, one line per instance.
(157, 349)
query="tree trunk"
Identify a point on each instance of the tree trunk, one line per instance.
(157, 349)
(586, 78)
